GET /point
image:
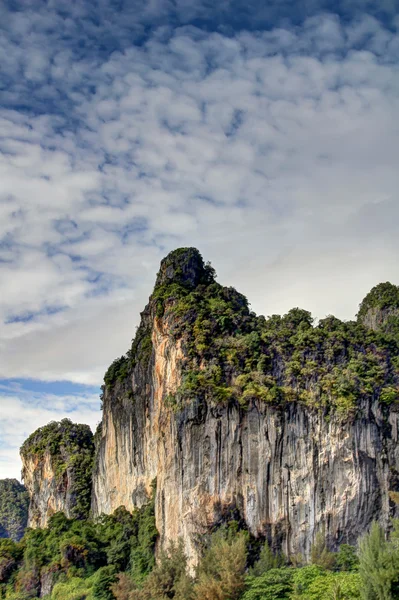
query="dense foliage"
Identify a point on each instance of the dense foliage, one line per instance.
(184, 269)
(370, 572)
(113, 559)
(234, 355)
(77, 559)
(71, 449)
(231, 355)
(14, 505)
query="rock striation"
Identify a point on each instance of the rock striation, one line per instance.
(288, 466)
(289, 427)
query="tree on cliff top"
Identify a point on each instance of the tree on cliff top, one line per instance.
(232, 355)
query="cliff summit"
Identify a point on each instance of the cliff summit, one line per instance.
(184, 266)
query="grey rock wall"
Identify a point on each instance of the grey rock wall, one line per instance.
(289, 471)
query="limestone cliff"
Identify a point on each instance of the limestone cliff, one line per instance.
(292, 427)
(57, 467)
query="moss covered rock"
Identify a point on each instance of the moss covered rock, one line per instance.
(57, 470)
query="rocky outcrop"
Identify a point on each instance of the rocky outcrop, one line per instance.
(48, 579)
(57, 468)
(14, 502)
(291, 453)
(289, 427)
(379, 310)
(381, 319)
(289, 473)
(48, 490)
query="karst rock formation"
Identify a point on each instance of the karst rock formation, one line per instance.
(289, 427)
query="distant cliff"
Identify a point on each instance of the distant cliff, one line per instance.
(290, 427)
(380, 309)
(57, 468)
(14, 503)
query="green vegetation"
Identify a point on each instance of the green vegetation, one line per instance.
(113, 558)
(117, 371)
(140, 352)
(70, 447)
(379, 564)
(382, 296)
(232, 355)
(181, 271)
(79, 559)
(14, 505)
(185, 266)
(267, 561)
(271, 584)
(168, 579)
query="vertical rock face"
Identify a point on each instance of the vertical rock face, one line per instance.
(290, 427)
(271, 420)
(14, 502)
(57, 464)
(289, 473)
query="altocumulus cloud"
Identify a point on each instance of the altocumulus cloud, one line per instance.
(269, 142)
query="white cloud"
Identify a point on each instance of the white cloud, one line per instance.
(23, 411)
(275, 152)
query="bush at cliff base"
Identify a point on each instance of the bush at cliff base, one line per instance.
(85, 560)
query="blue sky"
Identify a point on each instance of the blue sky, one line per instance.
(265, 134)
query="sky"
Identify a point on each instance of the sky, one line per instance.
(264, 134)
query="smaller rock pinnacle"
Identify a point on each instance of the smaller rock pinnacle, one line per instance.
(184, 266)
